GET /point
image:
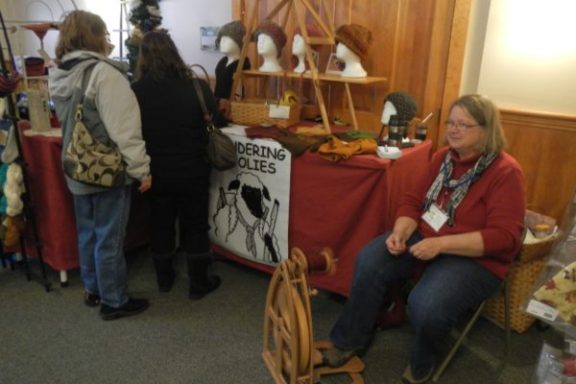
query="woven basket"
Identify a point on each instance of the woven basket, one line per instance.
(256, 112)
(521, 278)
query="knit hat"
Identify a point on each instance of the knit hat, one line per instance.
(274, 31)
(356, 37)
(234, 30)
(404, 103)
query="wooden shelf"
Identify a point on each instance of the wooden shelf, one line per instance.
(321, 76)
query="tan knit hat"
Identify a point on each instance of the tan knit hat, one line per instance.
(274, 31)
(356, 37)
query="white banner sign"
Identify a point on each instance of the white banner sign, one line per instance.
(249, 205)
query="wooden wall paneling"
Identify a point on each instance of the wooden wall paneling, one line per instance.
(455, 62)
(545, 147)
(436, 69)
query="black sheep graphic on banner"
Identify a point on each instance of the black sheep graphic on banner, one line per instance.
(246, 216)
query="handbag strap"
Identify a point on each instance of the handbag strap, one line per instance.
(207, 115)
(86, 75)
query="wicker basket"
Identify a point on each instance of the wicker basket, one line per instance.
(521, 279)
(256, 112)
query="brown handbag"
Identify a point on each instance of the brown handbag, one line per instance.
(220, 150)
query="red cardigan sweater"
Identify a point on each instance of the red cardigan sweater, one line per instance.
(494, 206)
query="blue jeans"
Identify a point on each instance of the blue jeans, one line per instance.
(101, 220)
(449, 286)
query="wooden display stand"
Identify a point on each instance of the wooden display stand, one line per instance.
(289, 351)
(301, 8)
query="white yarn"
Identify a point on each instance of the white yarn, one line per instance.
(13, 188)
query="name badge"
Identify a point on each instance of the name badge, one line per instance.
(435, 217)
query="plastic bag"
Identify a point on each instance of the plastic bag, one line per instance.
(553, 297)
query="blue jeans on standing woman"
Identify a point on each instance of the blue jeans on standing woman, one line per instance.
(101, 220)
(449, 286)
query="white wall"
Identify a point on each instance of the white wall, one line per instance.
(529, 56)
(182, 18)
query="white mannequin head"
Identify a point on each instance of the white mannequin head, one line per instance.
(298, 45)
(299, 50)
(389, 110)
(351, 60)
(229, 47)
(267, 50)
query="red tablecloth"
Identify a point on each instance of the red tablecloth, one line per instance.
(53, 207)
(344, 205)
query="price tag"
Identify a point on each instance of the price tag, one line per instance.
(541, 310)
(279, 111)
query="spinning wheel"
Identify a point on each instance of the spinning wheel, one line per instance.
(289, 351)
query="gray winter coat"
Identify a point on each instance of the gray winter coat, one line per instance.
(109, 95)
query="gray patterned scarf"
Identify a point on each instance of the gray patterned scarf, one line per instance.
(458, 187)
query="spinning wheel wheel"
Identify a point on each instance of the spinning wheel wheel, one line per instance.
(289, 351)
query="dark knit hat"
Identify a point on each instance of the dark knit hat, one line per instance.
(404, 103)
(356, 37)
(234, 30)
(274, 31)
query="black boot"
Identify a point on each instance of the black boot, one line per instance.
(164, 271)
(202, 282)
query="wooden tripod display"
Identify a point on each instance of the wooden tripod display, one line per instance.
(289, 351)
(299, 9)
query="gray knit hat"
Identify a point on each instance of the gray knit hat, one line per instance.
(234, 30)
(404, 103)
(275, 32)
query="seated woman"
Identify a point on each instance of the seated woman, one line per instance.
(463, 224)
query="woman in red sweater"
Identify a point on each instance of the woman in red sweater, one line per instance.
(464, 222)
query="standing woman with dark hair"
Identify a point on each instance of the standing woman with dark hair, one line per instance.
(175, 133)
(101, 213)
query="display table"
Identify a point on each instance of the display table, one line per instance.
(53, 207)
(344, 205)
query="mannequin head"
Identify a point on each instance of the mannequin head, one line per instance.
(401, 104)
(356, 37)
(268, 51)
(352, 65)
(265, 46)
(298, 45)
(234, 31)
(274, 32)
(228, 46)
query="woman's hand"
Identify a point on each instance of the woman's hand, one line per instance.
(396, 244)
(145, 184)
(427, 249)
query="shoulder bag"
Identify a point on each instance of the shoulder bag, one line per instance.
(220, 151)
(87, 159)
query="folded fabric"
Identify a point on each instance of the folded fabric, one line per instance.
(560, 293)
(335, 149)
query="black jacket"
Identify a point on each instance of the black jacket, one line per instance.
(173, 126)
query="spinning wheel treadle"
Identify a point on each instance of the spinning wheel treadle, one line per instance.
(289, 351)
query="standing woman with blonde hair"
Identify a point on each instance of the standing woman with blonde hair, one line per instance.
(101, 213)
(174, 129)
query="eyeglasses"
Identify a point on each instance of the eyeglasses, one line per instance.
(459, 124)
